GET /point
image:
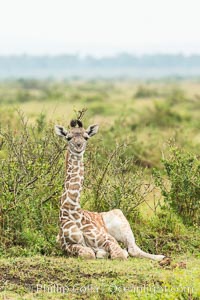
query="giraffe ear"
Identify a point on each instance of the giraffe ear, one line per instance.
(60, 130)
(92, 130)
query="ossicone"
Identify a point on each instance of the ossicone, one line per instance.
(75, 123)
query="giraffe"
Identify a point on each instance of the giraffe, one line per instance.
(90, 234)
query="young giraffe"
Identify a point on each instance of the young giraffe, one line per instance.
(84, 233)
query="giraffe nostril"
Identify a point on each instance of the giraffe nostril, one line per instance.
(78, 145)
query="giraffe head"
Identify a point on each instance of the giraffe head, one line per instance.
(76, 136)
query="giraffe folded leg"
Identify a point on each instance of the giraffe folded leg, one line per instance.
(120, 254)
(118, 227)
(80, 251)
(102, 254)
(113, 248)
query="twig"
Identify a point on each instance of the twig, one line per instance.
(48, 198)
(105, 170)
(80, 113)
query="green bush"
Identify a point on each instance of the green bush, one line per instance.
(145, 92)
(181, 191)
(23, 96)
(165, 233)
(176, 96)
(31, 173)
(162, 115)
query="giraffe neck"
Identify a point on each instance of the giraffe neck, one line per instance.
(73, 181)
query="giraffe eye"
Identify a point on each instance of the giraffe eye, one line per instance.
(86, 138)
(69, 138)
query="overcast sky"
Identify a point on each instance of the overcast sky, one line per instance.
(99, 27)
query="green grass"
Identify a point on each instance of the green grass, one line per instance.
(43, 278)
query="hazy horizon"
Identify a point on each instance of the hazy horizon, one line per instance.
(111, 55)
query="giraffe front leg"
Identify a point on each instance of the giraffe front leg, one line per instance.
(72, 240)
